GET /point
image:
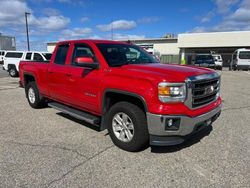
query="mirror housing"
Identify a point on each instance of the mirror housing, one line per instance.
(86, 62)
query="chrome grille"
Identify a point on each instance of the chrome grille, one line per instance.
(202, 90)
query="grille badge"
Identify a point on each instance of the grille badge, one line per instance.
(209, 90)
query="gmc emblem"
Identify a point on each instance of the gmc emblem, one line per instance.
(209, 90)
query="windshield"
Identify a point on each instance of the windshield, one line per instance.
(204, 57)
(47, 56)
(244, 55)
(122, 54)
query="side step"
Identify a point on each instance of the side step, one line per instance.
(76, 113)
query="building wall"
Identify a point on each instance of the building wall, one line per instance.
(51, 47)
(216, 39)
(7, 43)
(167, 48)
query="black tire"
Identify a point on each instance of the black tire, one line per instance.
(13, 72)
(38, 101)
(140, 139)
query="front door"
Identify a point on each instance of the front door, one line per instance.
(84, 83)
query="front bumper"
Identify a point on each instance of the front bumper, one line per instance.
(159, 135)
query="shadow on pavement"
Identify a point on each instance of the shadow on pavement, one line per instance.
(81, 122)
(191, 141)
(154, 149)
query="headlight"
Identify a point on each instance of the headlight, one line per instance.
(172, 92)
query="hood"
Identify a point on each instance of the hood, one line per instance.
(175, 73)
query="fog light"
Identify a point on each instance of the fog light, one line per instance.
(172, 124)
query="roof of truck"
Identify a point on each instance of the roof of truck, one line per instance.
(96, 41)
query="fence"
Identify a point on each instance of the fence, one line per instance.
(170, 59)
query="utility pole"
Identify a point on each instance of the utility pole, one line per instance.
(112, 30)
(27, 30)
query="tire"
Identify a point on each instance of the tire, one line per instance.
(13, 72)
(136, 116)
(33, 96)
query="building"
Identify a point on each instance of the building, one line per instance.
(187, 45)
(7, 42)
(224, 43)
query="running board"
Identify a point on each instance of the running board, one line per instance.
(76, 113)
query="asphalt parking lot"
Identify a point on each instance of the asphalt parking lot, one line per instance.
(44, 148)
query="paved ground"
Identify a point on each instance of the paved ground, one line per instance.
(3, 73)
(43, 148)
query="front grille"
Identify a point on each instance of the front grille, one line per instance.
(204, 91)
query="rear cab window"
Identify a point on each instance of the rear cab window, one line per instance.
(61, 54)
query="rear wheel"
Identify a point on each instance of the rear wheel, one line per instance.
(127, 126)
(13, 72)
(33, 96)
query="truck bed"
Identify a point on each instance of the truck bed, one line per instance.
(39, 69)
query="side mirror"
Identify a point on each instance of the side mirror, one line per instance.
(86, 62)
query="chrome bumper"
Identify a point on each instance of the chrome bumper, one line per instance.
(157, 123)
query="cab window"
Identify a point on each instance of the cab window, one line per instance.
(28, 56)
(14, 54)
(37, 57)
(82, 50)
(61, 54)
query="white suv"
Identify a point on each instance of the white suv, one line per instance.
(13, 58)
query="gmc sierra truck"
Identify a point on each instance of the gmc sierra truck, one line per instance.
(120, 87)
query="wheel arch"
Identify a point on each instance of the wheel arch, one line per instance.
(28, 78)
(112, 96)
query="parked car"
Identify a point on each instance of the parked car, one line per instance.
(205, 60)
(121, 87)
(241, 59)
(13, 58)
(218, 61)
(2, 55)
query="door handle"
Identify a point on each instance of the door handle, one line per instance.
(50, 72)
(68, 74)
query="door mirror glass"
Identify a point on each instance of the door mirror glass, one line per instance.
(86, 62)
(81, 60)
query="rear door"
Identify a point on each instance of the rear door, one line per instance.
(58, 74)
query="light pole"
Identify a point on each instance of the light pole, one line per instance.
(27, 30)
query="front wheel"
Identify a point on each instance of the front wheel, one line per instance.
(127, 126)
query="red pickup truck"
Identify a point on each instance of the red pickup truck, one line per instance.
(120, 87)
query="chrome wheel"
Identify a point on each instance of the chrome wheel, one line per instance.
(31, 95)
(123, 127)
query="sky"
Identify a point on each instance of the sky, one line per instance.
(53, 20)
